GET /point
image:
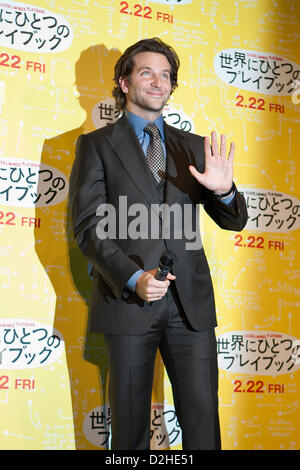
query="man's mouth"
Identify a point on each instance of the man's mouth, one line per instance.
(155, 94)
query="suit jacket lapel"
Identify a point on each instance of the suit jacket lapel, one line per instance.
(182, 153)
(174, 165)
(129, 151)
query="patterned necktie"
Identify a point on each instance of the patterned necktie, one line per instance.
(155, 154)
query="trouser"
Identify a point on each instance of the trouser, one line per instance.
(190, 360)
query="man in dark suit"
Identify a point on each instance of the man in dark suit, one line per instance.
(113, 178)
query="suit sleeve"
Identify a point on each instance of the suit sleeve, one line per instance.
(87, 192)
(232, 216)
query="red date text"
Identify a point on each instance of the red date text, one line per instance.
(258, 242)
(17, 384)
(257, 387)
(11, 219)
(145, 12)
(258, 104)
(15, 62)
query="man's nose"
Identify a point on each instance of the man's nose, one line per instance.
(156, 81)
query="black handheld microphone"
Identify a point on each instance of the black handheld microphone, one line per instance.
(165, 265)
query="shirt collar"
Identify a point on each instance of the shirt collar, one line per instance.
(139, 123)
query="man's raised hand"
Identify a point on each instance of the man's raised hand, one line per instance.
(218, 174)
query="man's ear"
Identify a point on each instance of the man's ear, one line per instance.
(123, 82)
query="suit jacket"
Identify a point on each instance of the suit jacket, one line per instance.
(110, 163)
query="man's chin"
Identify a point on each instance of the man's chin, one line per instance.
(155, 107)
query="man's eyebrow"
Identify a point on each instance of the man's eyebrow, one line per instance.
(144, 67)
(148, 67)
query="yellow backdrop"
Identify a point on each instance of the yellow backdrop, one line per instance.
(240, 75)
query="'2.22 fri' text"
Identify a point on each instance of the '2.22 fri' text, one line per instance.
(257, 387)
(145, 12)
(258, 242)
(15, 62)
(10, 218)
(258, 104)
(18, 384)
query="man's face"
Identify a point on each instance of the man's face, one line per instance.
(148, 88)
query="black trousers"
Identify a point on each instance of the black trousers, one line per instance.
(190, 360)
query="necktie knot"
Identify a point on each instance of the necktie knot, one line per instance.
(152, 130)
(155, 153)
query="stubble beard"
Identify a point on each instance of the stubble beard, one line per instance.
(149, 105)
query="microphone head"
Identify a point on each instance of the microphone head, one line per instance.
(167, 259)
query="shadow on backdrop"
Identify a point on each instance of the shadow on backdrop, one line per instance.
(67, 268)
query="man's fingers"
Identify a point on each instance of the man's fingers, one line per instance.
(153, 293)
(213, 149)
(153, 298)
(171, 277)
(223, 146)
(231, 151)
(151, 289)
(214, 144)
(207, 147)
(196, 174)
